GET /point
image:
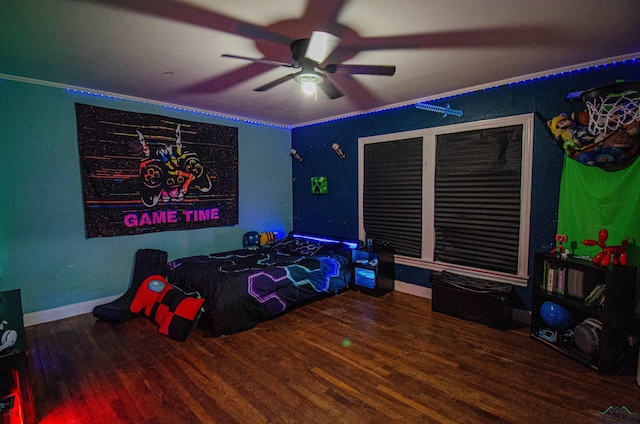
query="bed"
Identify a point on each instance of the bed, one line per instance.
(244, 287)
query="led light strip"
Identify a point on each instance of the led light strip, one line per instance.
(622, 61)
(350, 244)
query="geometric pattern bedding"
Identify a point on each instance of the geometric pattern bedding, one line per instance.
(242, 288)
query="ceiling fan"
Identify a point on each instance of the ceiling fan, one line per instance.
(308, 54)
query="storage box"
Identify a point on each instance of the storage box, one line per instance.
(472, 299)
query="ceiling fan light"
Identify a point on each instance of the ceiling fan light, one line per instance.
(309, 80)
(308, 88)
(311, 77)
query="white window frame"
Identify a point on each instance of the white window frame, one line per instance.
(428, 136)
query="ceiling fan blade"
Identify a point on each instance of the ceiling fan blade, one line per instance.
(275, 82)
(265, 61)
(330, 89)
(180, 11)
(320, 46)
(322, 13)
(227, 80)
(361, 69)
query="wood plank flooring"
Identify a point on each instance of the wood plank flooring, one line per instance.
(347, 359)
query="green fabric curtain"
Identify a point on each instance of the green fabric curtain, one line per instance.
(592, 199)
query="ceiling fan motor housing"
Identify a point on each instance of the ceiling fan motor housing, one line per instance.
(298, 49)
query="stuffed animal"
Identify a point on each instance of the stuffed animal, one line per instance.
(581, 117)
(562, 127)
(572, 137)
(148, 293)
(601, 156)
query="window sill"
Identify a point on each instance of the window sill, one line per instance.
(516, 280)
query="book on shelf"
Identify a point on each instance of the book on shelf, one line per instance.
(561, 277)
(551, 280)
(555, 278)
(575, 283)
(594, 298)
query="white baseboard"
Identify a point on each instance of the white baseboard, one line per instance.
(63, 312)
(412, 289)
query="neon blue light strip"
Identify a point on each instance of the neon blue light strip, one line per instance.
(450, 111)
(522, 81)
(180, 109)
(350, 244)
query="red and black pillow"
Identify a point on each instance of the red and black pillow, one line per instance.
(174, 310)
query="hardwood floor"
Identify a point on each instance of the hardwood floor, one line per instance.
(348, 359)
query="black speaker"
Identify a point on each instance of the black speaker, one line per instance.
(586, 336)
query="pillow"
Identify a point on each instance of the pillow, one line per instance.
(176, 313)
(174, 310)
(297, 246)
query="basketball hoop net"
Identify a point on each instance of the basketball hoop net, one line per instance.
(612, 107)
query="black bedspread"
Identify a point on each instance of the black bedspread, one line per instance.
(243, 287)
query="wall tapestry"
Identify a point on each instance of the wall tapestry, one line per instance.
(145, 173)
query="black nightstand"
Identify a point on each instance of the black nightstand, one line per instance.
(374, 271)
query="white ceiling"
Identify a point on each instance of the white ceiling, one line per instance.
(168, 51)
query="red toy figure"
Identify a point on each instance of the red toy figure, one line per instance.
(148, 293)
(560, 249)
(610, 254)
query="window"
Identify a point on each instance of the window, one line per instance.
(454, 197)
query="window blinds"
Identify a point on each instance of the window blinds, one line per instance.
(392, 194)
(477, 198)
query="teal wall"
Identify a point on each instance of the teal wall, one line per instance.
(43, 249)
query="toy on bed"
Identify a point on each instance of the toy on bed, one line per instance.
(251, 240)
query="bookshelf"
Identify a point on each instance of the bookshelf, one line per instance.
(588, 292)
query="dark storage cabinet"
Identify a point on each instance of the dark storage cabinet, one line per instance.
(472, 299)
(16, 400)
(374, 271)
(587, 292)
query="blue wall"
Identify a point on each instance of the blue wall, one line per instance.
(43, 249)
(336, 213)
